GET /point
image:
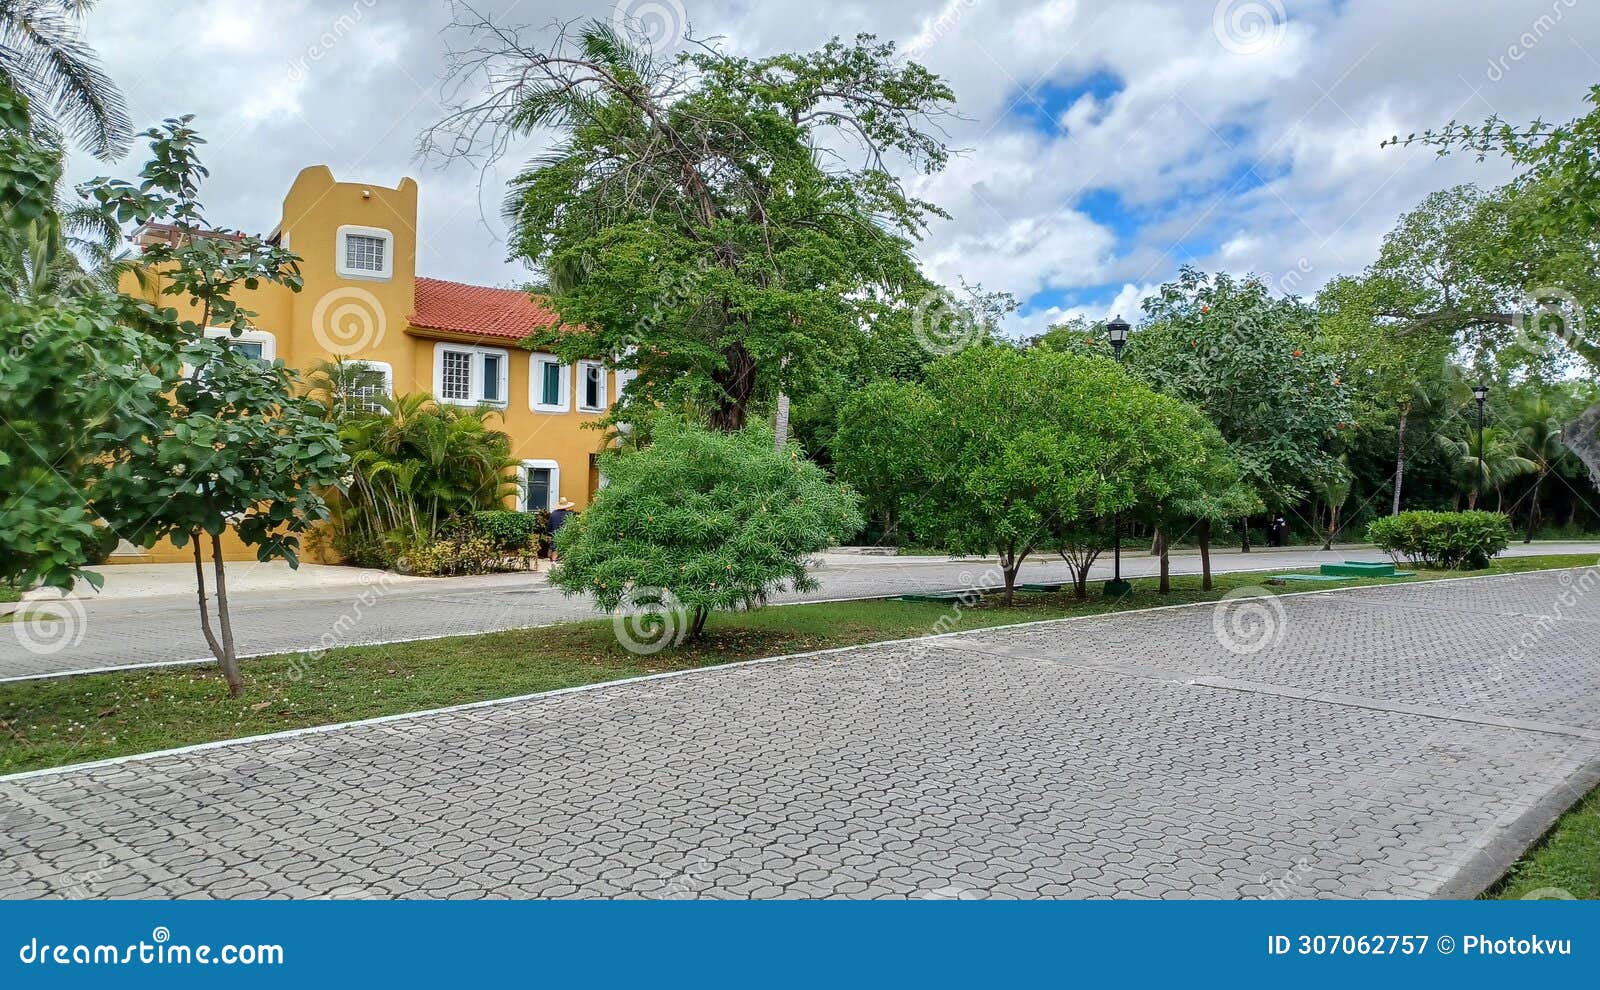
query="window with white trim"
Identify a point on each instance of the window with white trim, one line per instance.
(540, 486)
(364, 252)
(625, 377)
(370, 382)
(259, 344)
(591, 386)
(464, 375)
(549, 383)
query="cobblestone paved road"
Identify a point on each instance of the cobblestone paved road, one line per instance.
(1403, 741)
(103, 634)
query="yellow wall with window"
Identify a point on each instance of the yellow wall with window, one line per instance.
(355, 307)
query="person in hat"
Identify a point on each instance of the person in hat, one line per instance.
(558, 518)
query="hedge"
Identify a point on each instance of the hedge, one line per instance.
(1443, 540)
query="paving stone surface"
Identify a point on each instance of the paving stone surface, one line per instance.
(1395, 742)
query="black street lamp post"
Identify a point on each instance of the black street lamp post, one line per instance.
(1480, 392)
(1117, 331)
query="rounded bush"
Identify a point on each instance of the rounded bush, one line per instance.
(1443, 540)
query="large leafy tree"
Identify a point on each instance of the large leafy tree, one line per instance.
(1251, 362)
(77, 371)
(231, 443)
(726, 226)
(1015, 451)
(701, 521)
(1551, 217)
(43, 57)
(1433, 290)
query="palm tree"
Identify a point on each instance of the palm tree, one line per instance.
(1498, 464)
(43, 57)
(69, 251)
(417, 463)
(1539, 438)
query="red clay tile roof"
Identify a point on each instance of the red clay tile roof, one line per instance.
(453, 307)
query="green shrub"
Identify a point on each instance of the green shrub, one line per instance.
(699, 521)
(1445, 540)
(512, 531)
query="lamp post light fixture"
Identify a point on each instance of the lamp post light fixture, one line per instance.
(1117, 330)
(1480, 392)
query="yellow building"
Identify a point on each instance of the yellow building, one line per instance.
(364, 301)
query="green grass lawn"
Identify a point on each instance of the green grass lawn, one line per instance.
(46, 723)
(1567, 859)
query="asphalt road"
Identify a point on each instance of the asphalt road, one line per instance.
(94, 635)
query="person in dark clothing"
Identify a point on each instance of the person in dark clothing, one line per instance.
(558, 518)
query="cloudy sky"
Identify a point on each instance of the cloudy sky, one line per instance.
(1105, 143)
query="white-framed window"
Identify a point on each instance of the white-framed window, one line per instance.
(540, 485)
(369, 382)
(465, 375)
(364, 252)
(591, 386)
(256, 343)
(550, 384)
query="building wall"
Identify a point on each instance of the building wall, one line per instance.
(368, 319)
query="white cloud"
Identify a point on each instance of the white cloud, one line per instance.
(1266, 162)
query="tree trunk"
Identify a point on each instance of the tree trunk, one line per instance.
(1080, 584)
(1205, 554)
(1165, 585)
(229, 659)
(1533, 507)
(1400, 462)
(697, 625)
(1333, 526)
(736, 379)
(1244, 546)
(781, 425)
(1009, 565)
(200, 590)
